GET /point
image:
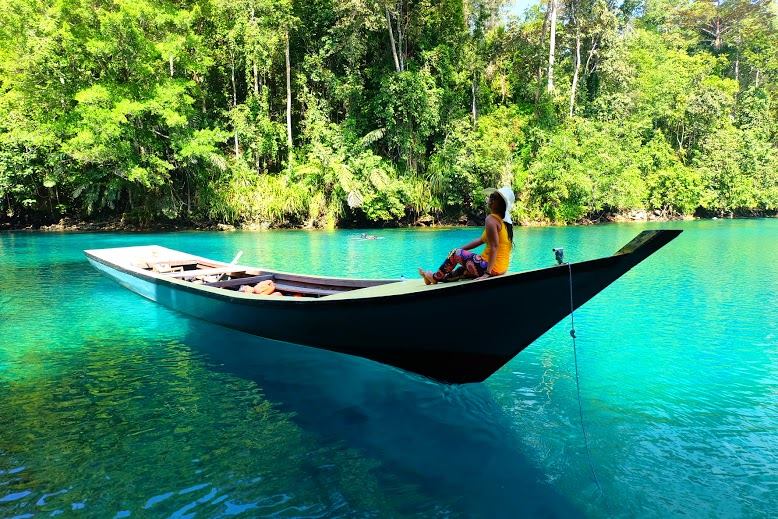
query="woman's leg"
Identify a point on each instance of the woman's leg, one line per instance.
(459, 264)
(458, 273)
(473, 265)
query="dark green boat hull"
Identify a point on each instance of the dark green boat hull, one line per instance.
(408, 328)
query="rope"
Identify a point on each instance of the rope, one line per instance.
(578, 384)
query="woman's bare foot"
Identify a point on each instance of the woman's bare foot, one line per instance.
(429, 279)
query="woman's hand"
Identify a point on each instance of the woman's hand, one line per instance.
(485, 276)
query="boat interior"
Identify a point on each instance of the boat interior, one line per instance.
(253, 280)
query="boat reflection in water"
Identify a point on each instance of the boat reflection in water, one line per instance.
(454, 442)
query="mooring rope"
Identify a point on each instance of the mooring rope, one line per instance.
(578, 384)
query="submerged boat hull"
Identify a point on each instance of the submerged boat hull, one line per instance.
(404, 323)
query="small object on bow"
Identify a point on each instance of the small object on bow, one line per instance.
(559, 254)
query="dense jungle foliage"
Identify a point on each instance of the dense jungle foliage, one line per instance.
(325, 113)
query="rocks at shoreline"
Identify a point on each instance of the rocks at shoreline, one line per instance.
(424, 221)
(121, 225)
(645, 216)
(73, 225)
(67, 224)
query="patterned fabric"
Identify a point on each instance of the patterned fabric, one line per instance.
(461, 263)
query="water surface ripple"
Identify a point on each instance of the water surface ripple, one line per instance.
(113, 406)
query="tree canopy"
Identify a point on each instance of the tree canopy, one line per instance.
(325, 113)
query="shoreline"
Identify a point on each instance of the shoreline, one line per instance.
(118, 225)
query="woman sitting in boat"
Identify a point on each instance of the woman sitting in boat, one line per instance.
(498, 237)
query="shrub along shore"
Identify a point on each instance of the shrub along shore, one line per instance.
(324, 114)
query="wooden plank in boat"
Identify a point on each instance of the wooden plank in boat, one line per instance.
(145, 264)
(283, 287)
(333, 282)
(205, 272)
(239, 281)
(164, 268)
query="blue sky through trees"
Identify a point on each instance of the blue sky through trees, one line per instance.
(517, 7)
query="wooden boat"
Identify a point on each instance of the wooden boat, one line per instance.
(398, 322)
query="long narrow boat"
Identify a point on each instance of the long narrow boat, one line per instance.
(397, 322)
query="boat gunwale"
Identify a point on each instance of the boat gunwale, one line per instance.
(425, 292)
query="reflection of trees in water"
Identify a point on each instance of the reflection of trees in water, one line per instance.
(454, 442)
(122, 425)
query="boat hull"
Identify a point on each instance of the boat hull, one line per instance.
(417, 329)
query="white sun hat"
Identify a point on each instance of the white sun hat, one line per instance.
(507, 194)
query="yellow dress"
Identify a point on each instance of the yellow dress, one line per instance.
(502, 258)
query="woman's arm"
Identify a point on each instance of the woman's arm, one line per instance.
(473, 244)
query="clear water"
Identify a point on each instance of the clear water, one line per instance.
(113, 406)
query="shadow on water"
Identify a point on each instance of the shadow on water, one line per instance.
(454, 441)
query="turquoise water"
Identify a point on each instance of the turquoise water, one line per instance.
(113, 406)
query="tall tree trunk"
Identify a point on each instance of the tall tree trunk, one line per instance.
(391, 40)
(171, 64)
(400, 38)
(540, 61)
(737, 68)
(257, 164)
(737, 59)
(288, 98)
(474, 109)
(575, 70)
(254, 60)
(196, 79)
(552, 46)
(234, 100)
